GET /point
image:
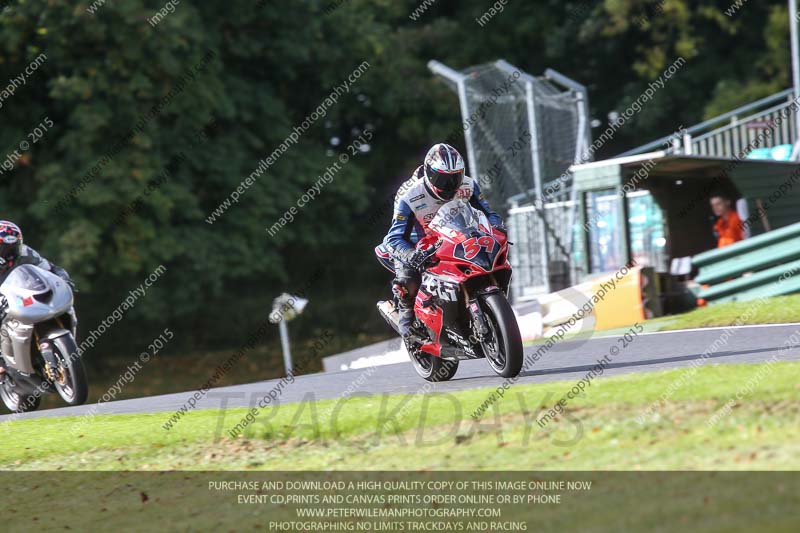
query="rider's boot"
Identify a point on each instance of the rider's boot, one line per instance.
(412, 332)
(405, 308)
(405, 288)
(406, 321)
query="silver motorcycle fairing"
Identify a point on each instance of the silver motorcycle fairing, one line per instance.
(15, 340)
(33, 295)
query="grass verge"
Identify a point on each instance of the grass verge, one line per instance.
(780, 310)
(607, 427)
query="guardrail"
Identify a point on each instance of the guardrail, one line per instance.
(753, 268)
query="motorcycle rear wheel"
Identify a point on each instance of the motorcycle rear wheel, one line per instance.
(432, 368)
(16, 402)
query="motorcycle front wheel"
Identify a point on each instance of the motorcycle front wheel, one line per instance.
(70, 382)
(503, 346)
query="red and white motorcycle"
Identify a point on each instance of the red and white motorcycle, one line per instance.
(461, 308)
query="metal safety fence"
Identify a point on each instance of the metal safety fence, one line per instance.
(522, 133)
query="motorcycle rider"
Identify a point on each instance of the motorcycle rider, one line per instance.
(13, 252)
(437, 181)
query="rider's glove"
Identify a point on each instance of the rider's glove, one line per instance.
(422, 258)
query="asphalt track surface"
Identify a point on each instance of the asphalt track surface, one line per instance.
(567, 360)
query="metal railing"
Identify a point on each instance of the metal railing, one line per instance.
(738, 138)
(728, 135)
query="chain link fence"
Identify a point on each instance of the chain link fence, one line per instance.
(522, 133)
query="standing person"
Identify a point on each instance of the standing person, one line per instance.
(728, 228)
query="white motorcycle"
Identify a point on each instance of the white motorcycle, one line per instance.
(37, 340)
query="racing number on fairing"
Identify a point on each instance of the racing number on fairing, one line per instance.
(472, 247)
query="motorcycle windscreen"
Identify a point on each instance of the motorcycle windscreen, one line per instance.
(459, 221)
(26, 277)
(470, 230)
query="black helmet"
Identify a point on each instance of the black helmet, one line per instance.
(10, 242)
(444, 171)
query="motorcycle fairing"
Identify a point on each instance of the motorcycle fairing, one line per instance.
(480, 250)
(35, 295)
(468, 248)
(432, 316)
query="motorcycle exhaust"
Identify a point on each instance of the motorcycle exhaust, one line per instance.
(390, 315)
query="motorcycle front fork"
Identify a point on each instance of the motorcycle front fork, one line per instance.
(480, 327)
(50, 363)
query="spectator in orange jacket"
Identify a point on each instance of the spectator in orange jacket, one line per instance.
(728, 228)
